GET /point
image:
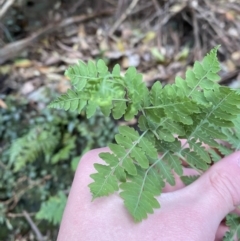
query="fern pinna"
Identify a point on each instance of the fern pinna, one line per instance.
(175, 120)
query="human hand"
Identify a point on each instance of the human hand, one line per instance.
(191, 213)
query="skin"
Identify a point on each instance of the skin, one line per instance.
(193, 213)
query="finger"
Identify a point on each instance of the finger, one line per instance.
(216, 193)
(222, 229)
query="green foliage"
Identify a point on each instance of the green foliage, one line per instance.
(52, 209)
(233, 222)
(195, 110)
(37, 149)
(40, 140)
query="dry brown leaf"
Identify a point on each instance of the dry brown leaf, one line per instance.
(23, 63)
(230, 65)
(27, 88)
(236, 55)
(5, 69)
(230, 15)
(149, 37)
(176, 8)
(63, 85)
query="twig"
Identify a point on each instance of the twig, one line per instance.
(16, 196)
(5, 7)
(156, 5)
(226, 79)
(33, 226)
(123, 16)
(18, 215)
(141, 8)
(13, 49)
(197, 47)
(76, 6)
(214, 24)
(7, 33)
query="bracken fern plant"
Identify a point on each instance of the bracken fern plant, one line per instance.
(177, 120)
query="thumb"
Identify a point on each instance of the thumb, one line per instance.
(218, 189)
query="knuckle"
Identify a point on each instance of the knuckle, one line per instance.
(225, 186)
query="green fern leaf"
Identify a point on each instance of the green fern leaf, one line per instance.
(187, 180)
(138, 194)
(233, 135)
(165, 135)
(166, 173)
(105, 182)
(148, 147)
(91, 109)
(106, 110)
(78, 75)
(92, 69)
(70, 101)
(125, 141)
(52, 209)
(205, 136)
(233, 222)
(102, 68)
(116, 71)
(175, 127)
(119, 109)
(41, 140)
(131, 111)
(197, 110)
(202, 153)
(214, 155)
(194, 160)
(175, 163)
(140, 157)
(128, 165)
(155, 93)
(142, 123)
(129, 132)
(213, 132)
(224, 150)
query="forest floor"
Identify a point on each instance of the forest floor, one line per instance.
(40, 39)
(160, 38)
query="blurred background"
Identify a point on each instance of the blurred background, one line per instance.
(39, 147)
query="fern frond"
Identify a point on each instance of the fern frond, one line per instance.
(195, 110)
(40, 140)
(52, 209)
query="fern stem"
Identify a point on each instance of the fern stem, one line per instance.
(144, 179)
(163, 106)
(126, 100)
(192, 166)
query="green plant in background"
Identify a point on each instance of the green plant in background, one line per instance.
(39, 152)
(52, 209)
(195, 111)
